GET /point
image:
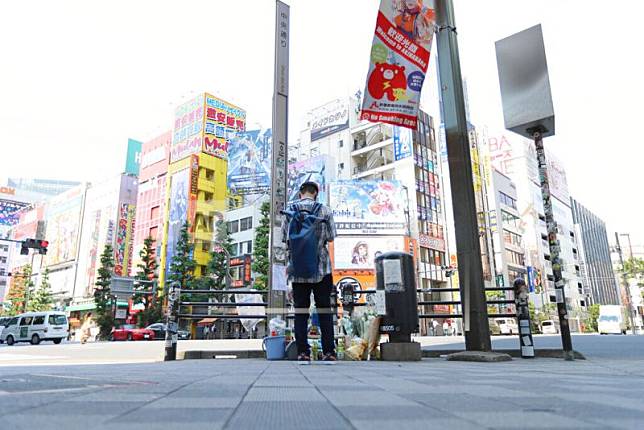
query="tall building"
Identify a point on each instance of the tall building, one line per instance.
(151, 199)
(597, 266)
(515, 157)
(374, 160)
(37, 189)
(196, 184)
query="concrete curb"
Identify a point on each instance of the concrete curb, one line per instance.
(220, 354)
(515, 353)
(479, 356)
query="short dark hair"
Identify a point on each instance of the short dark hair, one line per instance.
(308, 188)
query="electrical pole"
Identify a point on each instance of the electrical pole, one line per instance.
(468, 247)
(627, 290)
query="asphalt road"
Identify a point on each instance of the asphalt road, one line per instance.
(592, 346)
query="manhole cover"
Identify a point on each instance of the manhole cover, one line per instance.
(26, 383)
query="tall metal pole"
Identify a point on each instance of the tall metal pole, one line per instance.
(279, 168)
(468, 247)
(553, 242)
(627, 290)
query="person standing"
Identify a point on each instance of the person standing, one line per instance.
(307, 228)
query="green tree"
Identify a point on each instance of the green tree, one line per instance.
(261, 260)
(145, 286)
(103, 293)
(42, 299)
(183, 265)
(593, 316)
(634, 268)
(217, 265)
(20, 290)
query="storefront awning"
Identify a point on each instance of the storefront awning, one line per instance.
(81, 307)
(207, 321)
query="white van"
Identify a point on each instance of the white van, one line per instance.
(507, 325)
(35, 327)
(549, 327)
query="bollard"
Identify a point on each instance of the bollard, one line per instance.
(523, 317)
(172, 323)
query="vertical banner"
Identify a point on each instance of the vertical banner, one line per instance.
(194, 182)
(121, 241)
(277, 281)
(398, 62)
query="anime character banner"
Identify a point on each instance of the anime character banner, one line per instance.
(398, 62)
(249, 162)
(317, 169)
(10, 212)
(178, 211)
(359, 252)
(368, 207)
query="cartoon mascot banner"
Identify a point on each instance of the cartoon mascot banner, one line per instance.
(399, 61)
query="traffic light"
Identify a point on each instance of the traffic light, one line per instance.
(43, 247)
(39, 245)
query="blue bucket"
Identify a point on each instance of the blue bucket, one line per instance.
(275, 347)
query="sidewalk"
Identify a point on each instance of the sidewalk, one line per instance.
(256, 394)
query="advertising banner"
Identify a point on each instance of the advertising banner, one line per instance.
(188, 127)
(27, 227)
(63, 226)
(317, 169)
(398, 62)
(10, 212)
(329, 119)
(368, 207)
(133, 159)
(403, 141)
(178, 210)
(194, 190)
(557, 179)
(249, 162)
(122, 249)
(222, 121)
(359, 252)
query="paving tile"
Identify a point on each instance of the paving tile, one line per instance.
(283, 394)
(210, 401)
(361, 397)
(368, 411)
(524, 420)
(409, 424)
(162, 416)
(287, 416)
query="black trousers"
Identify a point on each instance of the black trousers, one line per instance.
(302, 302)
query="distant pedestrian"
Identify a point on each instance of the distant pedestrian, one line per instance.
(445, 328)
(434, 328)
(205, 332)
(86, 329)
(306, 229)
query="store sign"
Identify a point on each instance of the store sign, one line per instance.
(368, 207)
(359, 252)
(222, 121)
(154, 156)
(188, 126)
(398, 62)
(249, 162)
(403, 141)
(8, 190)
(329, 119)
(427, 241)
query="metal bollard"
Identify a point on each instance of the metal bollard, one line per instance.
(172, 324)
(523, 317)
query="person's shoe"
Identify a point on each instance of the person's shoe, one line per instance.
(304, 357)
(330, 357)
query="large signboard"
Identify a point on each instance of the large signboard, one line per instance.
(398, 62)
(124, 240)
(403, 141)
(222, 121)
(329, 119)
(178, 210)
(368, 207)
(317, 169)
(63, 226)
(249, 162)
(133, 159)
(359, 252)
(557, 179)
(188, 127)
(10, 212)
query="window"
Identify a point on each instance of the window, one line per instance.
(207, 196)
(341, 143)
(25, 320)
(509, 219)
(514, 257)
(153, 232)
(341, 166)
(57, 319)
(245, 224)
(511, 238)
(4, 248)
(3, 259)
(154, 212)
(39, 320)
(249, 247)
(507, 200)
(233, 226)
(1, 271)
(233, 249)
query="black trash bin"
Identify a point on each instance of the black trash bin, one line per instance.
(396, 277)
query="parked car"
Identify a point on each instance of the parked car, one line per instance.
(4, 321)
(549, 327)
(507, 325)
(131, 332)
(494, 327)
(35, 327)
(159, 332)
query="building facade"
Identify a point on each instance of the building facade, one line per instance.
(595, 256)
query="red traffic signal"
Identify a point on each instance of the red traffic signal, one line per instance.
(42, 248)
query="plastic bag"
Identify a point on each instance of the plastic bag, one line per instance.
(357, 349)
(374, 338)
(277, 326)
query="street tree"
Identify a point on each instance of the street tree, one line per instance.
(261, 261)
(217, 269)
(20, 289)
(42, 299)
(634, 268)
(145, 286)
(103, 293)
(183, 265)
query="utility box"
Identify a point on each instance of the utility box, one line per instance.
(396, 286)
